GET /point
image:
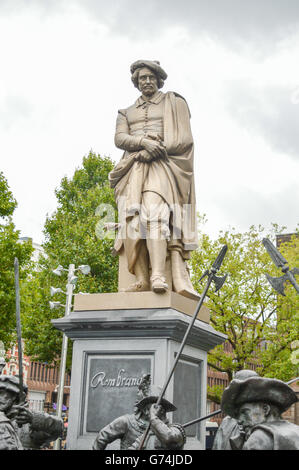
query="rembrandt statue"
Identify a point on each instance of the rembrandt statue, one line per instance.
(154, 184)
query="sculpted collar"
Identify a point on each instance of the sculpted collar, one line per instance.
(155, 100)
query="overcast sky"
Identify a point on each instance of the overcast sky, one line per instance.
(65, 73)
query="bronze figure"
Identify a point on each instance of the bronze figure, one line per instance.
(257, 404)
(130, 428)
(9, 399)
(229, 426)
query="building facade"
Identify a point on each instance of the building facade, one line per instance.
(42, 381)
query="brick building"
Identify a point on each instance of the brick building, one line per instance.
(292, 414)
(284, 238)
(220, 379)
(42, 381)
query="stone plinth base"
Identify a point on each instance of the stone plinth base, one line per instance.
(118, 338)
(139, 300)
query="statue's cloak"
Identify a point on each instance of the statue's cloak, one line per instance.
(171, 178)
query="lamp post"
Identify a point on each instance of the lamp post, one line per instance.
(2, 357)
(71, 284)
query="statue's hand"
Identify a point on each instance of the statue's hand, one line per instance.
(144, 156)
(154, 147)
(155, 411)
(237, 440)
(24, 415)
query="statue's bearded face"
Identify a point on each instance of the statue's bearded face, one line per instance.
(7, 399)
(147, 82)
(251, 414)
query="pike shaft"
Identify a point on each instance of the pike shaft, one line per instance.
(292, 381)
(292, 280)
(197, 420)
(70, 288)
(211, 275)
(185, 339)
(19, 328)
(210, 278)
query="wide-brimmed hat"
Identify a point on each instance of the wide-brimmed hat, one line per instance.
(153, 65)
(257, 389)
(10, 383)
(152, 397)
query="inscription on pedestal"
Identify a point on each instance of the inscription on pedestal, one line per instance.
(111, 387)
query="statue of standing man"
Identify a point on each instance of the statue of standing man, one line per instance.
(154, 184)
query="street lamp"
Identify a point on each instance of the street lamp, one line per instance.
(84, 268)
(55, 290)
(59, 270)
(54, 305)
(2, 355)
(71, 284)
(73, 280)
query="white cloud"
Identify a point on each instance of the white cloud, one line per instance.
(65, 72)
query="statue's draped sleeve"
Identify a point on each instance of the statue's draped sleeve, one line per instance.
(123, 139)
(131, 144)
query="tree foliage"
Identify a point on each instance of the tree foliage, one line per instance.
(10, 248)
(260, 324)
(70, 238)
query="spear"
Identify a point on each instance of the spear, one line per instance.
(203, 418)
(278, 283)
(218, 281)
(19, 330)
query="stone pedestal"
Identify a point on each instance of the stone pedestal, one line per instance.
(119, 337)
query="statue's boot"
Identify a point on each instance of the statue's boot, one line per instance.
(141, 269)
(138, 286)
(157, 249)
(180, 277)
(159, 284)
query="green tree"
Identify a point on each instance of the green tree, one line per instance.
(7, 201)
(277, 357)
(260, 325)
(71, 238)
(10, 247)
